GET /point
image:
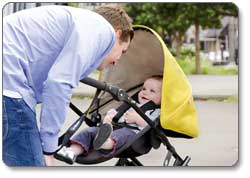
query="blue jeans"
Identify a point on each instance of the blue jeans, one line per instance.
(86, 137)
(21, 139)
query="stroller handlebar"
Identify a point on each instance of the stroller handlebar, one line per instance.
(94, 83)
(117, 93)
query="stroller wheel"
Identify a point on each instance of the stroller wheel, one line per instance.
(126, 162)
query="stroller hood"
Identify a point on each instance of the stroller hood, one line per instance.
(147, 56)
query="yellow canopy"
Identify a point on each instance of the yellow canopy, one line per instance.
(177, 109)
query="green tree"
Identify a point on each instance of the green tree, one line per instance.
(162, 17)
(206, 15)
(174, 19)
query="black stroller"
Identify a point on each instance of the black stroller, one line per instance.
(118, 88)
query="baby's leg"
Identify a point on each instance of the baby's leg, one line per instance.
(82, 142)
(108, 144)
(122, 136)
(118, 138)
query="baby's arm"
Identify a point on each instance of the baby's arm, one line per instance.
(134, 117)
(110, 115)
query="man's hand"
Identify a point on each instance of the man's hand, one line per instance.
(49, 160)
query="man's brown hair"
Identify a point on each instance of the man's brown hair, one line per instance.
(119, 19)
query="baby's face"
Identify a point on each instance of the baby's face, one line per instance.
(151, 90)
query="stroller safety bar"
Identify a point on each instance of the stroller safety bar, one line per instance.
(117, 93)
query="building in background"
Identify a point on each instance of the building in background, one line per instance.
(219, 45)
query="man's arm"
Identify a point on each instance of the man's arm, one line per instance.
(78, 57)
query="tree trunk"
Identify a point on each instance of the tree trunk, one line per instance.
(197, 48)
(178, 45)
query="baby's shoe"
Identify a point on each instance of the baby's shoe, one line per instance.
(66, 155)
(102, 135)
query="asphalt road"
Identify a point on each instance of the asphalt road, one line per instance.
(217, 144)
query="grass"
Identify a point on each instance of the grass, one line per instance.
(231, 99)
(227, 99)
(207, 68)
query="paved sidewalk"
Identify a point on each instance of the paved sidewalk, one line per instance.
(214, 86)
(204, 86)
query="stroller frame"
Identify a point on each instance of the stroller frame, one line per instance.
(120, 95)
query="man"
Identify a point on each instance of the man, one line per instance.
(46, 51)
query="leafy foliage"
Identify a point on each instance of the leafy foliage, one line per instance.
(173, 19)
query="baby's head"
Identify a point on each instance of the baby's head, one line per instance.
(151, 90)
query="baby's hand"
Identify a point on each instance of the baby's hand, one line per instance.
(131, 117)
(109, 117)
(112, 112)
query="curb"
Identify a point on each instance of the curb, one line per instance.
(215, 97)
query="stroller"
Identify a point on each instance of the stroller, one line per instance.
(118, 88)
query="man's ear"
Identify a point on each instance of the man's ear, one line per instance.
(118, 33)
